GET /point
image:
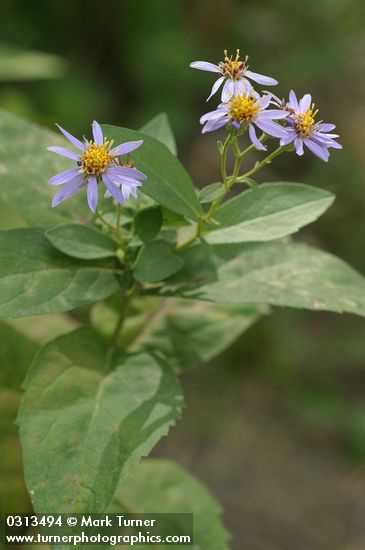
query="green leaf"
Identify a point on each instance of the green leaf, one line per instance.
(277, 273)
(26, 166)
(23, 64)
(81, 241)
(87, 417)
(271, 211)
(159, 127)
(211, 192)
(168, 182)
(16, 354)
(187, 333)
(162, 486)
(156, 261)
(148, 222)
(36, 278)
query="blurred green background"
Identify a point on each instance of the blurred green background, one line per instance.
(276, 426)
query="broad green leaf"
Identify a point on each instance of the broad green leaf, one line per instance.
(188, 333)
(36, 278)
(159, 127)
(211, 192)
(16, 354)
(43, 328)
(271, 211)
(148, 222)
(162, 486)
(25, 168)
(277, 273)
(87, 417)
(156, 261)
(168, 182)
(21, 64)
(81, 241)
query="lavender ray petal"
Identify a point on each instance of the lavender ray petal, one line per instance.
(63, 177)
(298, 144)
(227, 91)
(293, 101)
(324, 127)
(217, 84)
(69, 190)
(271, 128)
(274, 114)
(76, 142)
(113, 189)
(205, 66)
(125, 148)
(261, 79)
(92, 193)
(320, 151)
(126, 171)
(253, 138)
(304, 103)
(97, 133)
(64, 152)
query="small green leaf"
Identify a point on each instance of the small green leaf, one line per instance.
(277, 273)
(159, 127)
(272, 211)
(17, 64)
(168, 324)
(36, 278)
(148, 222)
(87, 417)
(81, 241)
(168, 182)
(211, 192)
(162, 486)
(156, 261)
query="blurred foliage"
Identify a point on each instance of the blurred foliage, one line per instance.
(127, 61)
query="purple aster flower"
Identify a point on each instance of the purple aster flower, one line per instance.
(98, 162)
(247, 110)
(304, 130)
(234, 73)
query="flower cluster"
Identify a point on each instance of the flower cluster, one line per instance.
(98, 162)
(242, 108)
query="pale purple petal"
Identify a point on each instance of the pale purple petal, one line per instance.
(320, 151)
(120, 179)
(288, 139)
(217, 84)
(274, 114)
(212, 125)
(69, 190)
(92, 192)
(113, 189)
(126, 192)
(125, 148)
(305, 103)
(265, 101)
(261, 79)
(205, 66)
(64, 152)
(63, 177)
(126, 171)
(228, 90)
(76, 142)
(324, 127)
(236, 124)
(97, 133)
(293, 101)
(212, 115)
(253, 137)
(298, 144)
(271, 128)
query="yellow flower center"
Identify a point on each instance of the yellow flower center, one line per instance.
(305, 122)
(96, 158)
(233, 68)
(243, 108)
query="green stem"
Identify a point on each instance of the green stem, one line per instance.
(123, 315)
(261, 164)
(101, 218)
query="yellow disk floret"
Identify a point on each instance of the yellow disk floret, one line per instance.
(243, 108)
(305, 122)
(233, 68)
(96, 158)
